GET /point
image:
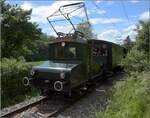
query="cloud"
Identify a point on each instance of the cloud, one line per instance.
(26, 6)
(63, 28)
(134, 16)
(101, 11)
(40, 13)
(94, 10)
(117, 36)
(109, 35)
(130, 31)
(129, 28)
(99, 1)
(110, 2)
(145, 16)
(134, 1)
(105, 20)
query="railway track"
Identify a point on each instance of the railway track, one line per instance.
(5, 113)
(52, 107)
(34, 107)
(44, 107)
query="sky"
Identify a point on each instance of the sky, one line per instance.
(111, 20)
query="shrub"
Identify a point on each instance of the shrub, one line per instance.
(130, 98)
(12, 88)
(135, 61)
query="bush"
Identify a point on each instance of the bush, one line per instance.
(130, 98)
(135, 61)
(12, 88)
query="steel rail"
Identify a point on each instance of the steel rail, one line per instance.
(22, 108)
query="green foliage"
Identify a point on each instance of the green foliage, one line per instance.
(12, 88)
(128, 44)
(135, 61)
(17, 32)
(40, 49)
(137, 58)
(85, 28)
(21, 37)
(143, 43)
(130, 98)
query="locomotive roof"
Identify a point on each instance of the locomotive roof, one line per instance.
(83, 41)
(69, 40)
(103, 41)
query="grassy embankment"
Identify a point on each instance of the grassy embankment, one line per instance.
(130, 98)
(12, 89)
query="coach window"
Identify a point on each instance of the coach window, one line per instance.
(100, 51)
(105, 50)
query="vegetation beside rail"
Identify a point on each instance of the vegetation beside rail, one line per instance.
(21, 41)
(12, 88)
(131, 97)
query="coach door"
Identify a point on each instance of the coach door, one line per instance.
(99, 56)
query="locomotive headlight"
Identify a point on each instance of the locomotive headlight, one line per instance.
(62, 75)
(32, 72)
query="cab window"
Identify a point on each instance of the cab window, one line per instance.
(71, 52)
(68, 52)
(59, 52)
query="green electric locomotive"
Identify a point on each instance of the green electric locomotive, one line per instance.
(74, 62)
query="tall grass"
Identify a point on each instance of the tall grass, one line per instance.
(12, 88)
(130, 99)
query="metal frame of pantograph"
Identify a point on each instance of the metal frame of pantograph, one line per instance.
(66, 16)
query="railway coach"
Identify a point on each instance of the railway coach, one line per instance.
(75, 63)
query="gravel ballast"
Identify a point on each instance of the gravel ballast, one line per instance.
(93, 102)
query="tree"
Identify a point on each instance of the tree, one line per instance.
(85, 28)
(127, 43)
(137, 59)
(17, 32)
(143, 42)
(40, 48)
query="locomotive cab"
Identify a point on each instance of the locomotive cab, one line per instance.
(60, 72)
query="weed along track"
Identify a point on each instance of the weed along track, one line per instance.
(44, 107)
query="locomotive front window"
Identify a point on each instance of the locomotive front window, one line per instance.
(71, 52)
(66, 52)
(59, 52)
